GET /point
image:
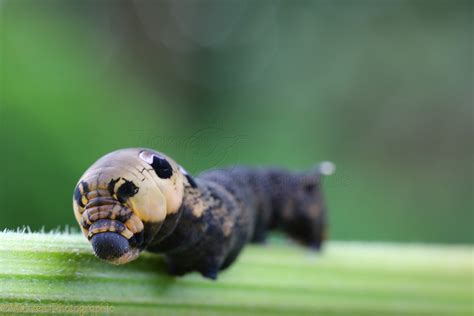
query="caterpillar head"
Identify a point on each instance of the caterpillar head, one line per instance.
(122, 201)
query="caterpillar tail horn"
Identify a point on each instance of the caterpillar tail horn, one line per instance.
(326, 168)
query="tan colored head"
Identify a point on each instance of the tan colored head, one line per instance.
(122, 200)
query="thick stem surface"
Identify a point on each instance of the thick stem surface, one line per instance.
(58, 273)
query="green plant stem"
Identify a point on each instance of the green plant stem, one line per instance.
(44, 273)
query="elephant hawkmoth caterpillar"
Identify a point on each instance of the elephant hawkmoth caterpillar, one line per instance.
(138, 199)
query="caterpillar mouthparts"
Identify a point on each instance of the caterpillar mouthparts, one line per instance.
(114, 231)
(113, 247)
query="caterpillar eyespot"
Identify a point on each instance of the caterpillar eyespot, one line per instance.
(159, 163)
(137, 199)
(126, 190)
(162, 168)
(190, 179)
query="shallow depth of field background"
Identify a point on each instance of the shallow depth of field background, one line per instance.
(382, 88)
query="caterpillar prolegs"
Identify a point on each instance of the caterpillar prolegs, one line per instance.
(137, 199)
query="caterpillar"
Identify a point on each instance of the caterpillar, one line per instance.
(137, 199)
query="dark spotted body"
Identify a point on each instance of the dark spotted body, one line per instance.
(216, 215)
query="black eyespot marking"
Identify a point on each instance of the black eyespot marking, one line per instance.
(111, 185)
(126, 190)
(162, 167)
(78, 197)
(77, 192)
(191, 181)
(85, 187)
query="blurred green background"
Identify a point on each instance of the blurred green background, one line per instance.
(382, 88)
